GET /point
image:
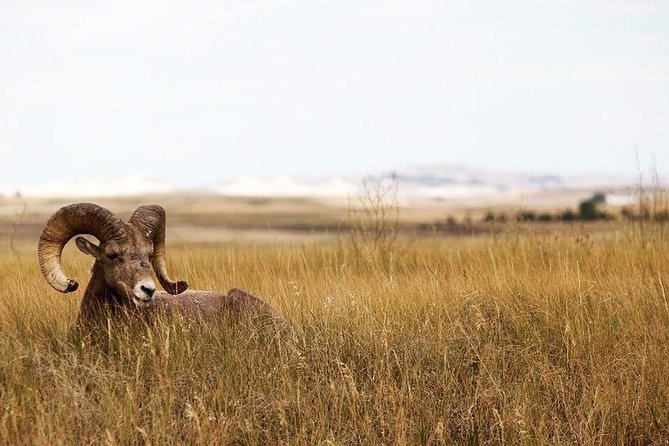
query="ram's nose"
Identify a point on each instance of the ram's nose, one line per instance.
(143, 293)
(148, 289)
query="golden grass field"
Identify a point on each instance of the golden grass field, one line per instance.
(522, 337)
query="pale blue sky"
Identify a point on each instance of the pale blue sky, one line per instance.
(206, 90)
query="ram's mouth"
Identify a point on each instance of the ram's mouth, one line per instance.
(141, 303)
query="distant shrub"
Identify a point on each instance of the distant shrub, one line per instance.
(568, 215)
(661, 216)
(590, 209)
(526, 216)
(587, 210)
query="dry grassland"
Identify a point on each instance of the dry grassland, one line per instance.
(557, 338)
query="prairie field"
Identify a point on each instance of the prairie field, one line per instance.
(518, 337)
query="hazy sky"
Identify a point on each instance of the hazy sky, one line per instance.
(196, 91)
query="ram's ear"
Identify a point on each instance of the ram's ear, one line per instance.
(88, 247)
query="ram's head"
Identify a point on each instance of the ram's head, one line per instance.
(125, 257)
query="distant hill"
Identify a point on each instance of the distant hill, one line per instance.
(414, 182)
(423, 182)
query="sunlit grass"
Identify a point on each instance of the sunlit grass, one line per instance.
(559, 338)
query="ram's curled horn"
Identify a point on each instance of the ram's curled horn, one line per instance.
(150, 220)
(68, 221)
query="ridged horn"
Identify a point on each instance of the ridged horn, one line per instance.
(150, 220)
(65, 223)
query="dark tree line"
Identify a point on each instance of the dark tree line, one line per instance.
(589, 209)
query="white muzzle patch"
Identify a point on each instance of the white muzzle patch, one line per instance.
(142, 293)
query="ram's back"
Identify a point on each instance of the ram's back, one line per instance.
(236, 304)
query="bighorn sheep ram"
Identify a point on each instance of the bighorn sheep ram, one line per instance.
(121, 281)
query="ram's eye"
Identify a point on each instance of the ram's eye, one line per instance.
(113, 256)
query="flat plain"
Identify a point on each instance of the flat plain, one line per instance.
(528, 334)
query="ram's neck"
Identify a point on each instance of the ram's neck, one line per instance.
(98, 299)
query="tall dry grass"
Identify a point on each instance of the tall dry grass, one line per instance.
(560, 338)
